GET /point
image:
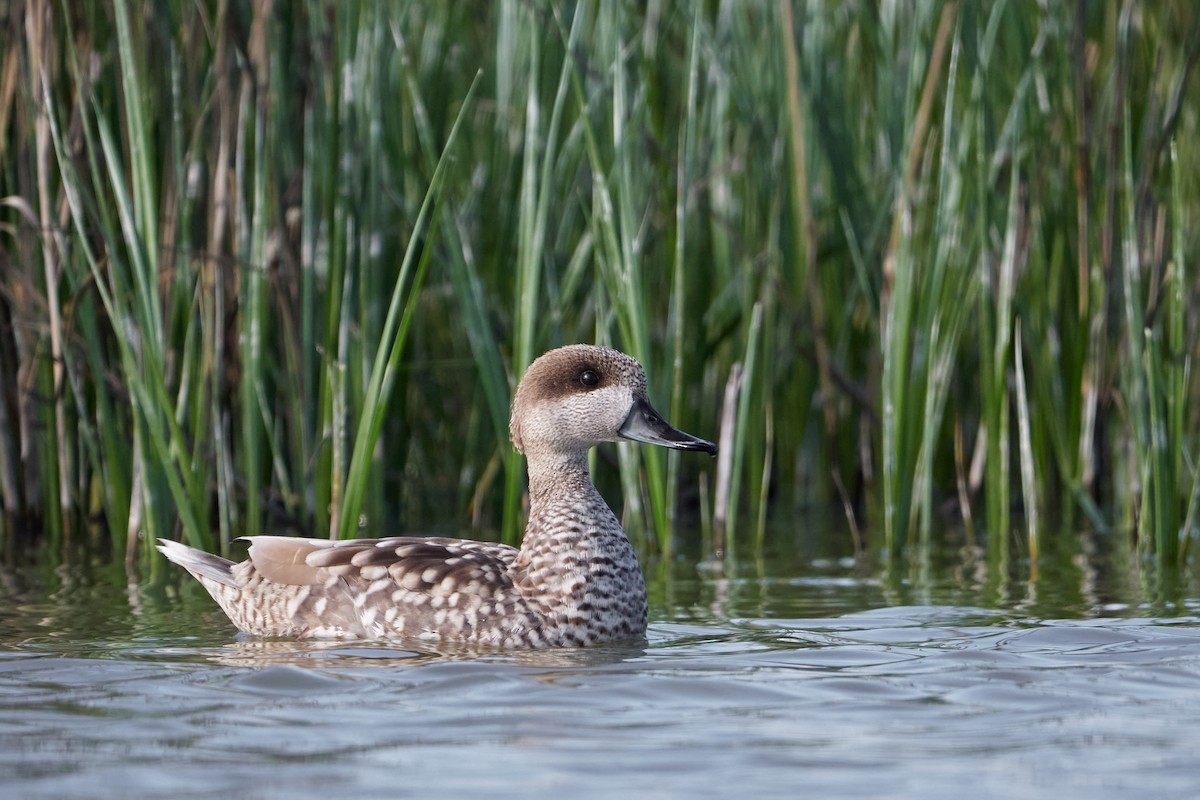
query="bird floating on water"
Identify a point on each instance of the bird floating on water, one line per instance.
(574, 581)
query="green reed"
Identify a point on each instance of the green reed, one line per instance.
(278, 267)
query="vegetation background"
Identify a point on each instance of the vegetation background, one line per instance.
(927, 267)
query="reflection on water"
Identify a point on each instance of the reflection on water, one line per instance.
(248, 652)
(813, 675)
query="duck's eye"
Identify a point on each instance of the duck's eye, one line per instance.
(589, 377)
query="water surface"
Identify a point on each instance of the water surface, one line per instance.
(816, 678)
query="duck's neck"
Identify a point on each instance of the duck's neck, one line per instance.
(560, 476)
(576, 564)
(569, 521)
(567, 513)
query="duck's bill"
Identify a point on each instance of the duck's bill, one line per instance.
(644, 424)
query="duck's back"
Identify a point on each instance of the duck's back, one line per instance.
(424, 588)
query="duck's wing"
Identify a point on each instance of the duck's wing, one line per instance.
(399, 586)
(414, 563)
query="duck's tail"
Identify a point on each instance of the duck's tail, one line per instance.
(201, 564)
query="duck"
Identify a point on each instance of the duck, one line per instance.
(575, 580)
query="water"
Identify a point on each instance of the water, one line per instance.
(816, 678)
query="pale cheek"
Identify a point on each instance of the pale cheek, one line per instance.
(595, 416)
(609, 408)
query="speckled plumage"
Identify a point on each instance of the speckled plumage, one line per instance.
(575, 580)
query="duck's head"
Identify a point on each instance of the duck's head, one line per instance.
(577, 396)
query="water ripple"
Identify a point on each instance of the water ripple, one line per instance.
(877, 702)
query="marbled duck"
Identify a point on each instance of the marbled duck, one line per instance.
(574, 581)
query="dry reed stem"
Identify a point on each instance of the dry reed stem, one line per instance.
(808, 224)
(36, 20)
(933, 75)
